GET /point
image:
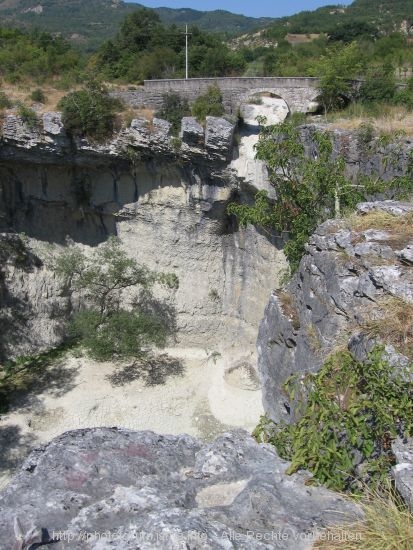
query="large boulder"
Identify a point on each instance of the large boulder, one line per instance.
(192, 133)
(219, 135)
(114, 488)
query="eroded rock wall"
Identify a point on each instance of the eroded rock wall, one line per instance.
(344, 272)
(168, 209)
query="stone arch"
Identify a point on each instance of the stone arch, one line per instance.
(274, 113)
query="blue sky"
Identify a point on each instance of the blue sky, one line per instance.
(260, 8)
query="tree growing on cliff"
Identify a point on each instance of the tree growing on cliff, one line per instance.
(309, 188)
(104, 327)
(89, 112)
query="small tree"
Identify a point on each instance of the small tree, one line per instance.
(309, 190)
(105, 328)
(174, 108)
(336, 69)
(89, 112)
(209, 104)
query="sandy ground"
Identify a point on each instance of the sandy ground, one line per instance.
(191, 392)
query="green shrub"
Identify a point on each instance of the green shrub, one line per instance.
(352, 413)
(174, 108)
(209, 104)
(38, 96)
(90, 112)
(5, 102)
(104, 328)
(28, 116)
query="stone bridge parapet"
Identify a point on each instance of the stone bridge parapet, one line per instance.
(298, 92)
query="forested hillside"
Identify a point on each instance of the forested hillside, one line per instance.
(88, 23)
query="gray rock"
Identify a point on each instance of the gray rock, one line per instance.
(219, 135)
(52, 123)
(403, 471)
(360, 345)
(396, 208)
(139, 489)
(341, 274)
(406, 255)
(192, 133)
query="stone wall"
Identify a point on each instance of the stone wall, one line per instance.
(298, 92)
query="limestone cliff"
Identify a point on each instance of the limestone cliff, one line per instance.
(345, 272)
(166, 201)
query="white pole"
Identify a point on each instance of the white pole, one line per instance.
(186, 52)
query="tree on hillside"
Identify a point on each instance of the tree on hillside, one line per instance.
(336, 69)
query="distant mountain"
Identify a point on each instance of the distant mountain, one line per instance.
(370, 18)
(89, 22)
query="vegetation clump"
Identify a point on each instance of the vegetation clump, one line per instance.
(90, 112)
(352, 413)
(208, 104)
(105, 328)
(28, 116)
(144, 48)
(38, 96)
(386, 524)
(174, 108)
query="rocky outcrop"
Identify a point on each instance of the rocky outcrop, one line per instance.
(148, 137)
(364, 152)
(344, 272)
(166, 202)
(403, 471)
(115, 488)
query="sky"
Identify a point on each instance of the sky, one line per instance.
(260, 8)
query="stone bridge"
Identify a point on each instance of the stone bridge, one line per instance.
(297, 92)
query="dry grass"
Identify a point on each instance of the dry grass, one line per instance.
(392, 119)
(391, 320)
(386, 525)
(21, 94)
(401, 225)
(288, 308)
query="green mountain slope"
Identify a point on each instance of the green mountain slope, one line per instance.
(89, 22)
(382, 15)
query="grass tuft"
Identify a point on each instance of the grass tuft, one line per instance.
(391, 320)
(386, 525)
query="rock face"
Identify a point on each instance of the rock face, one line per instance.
(403, 471)
(168, 208)
(363, 152)
(342, 275)
(115, 488)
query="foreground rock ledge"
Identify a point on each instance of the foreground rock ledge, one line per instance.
(114, 488)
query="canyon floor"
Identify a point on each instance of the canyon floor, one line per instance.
(185, 391)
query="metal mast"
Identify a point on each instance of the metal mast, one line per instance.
(186, 51)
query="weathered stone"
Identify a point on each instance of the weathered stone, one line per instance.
(219, 135)
(391, 207)
(406, 255)
(403, 471)
(52, 123)
(192, 133)
(336, 283)
(154, 491)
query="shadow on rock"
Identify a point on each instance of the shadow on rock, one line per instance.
(14, 446)
(153, 370)
(161, 309)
